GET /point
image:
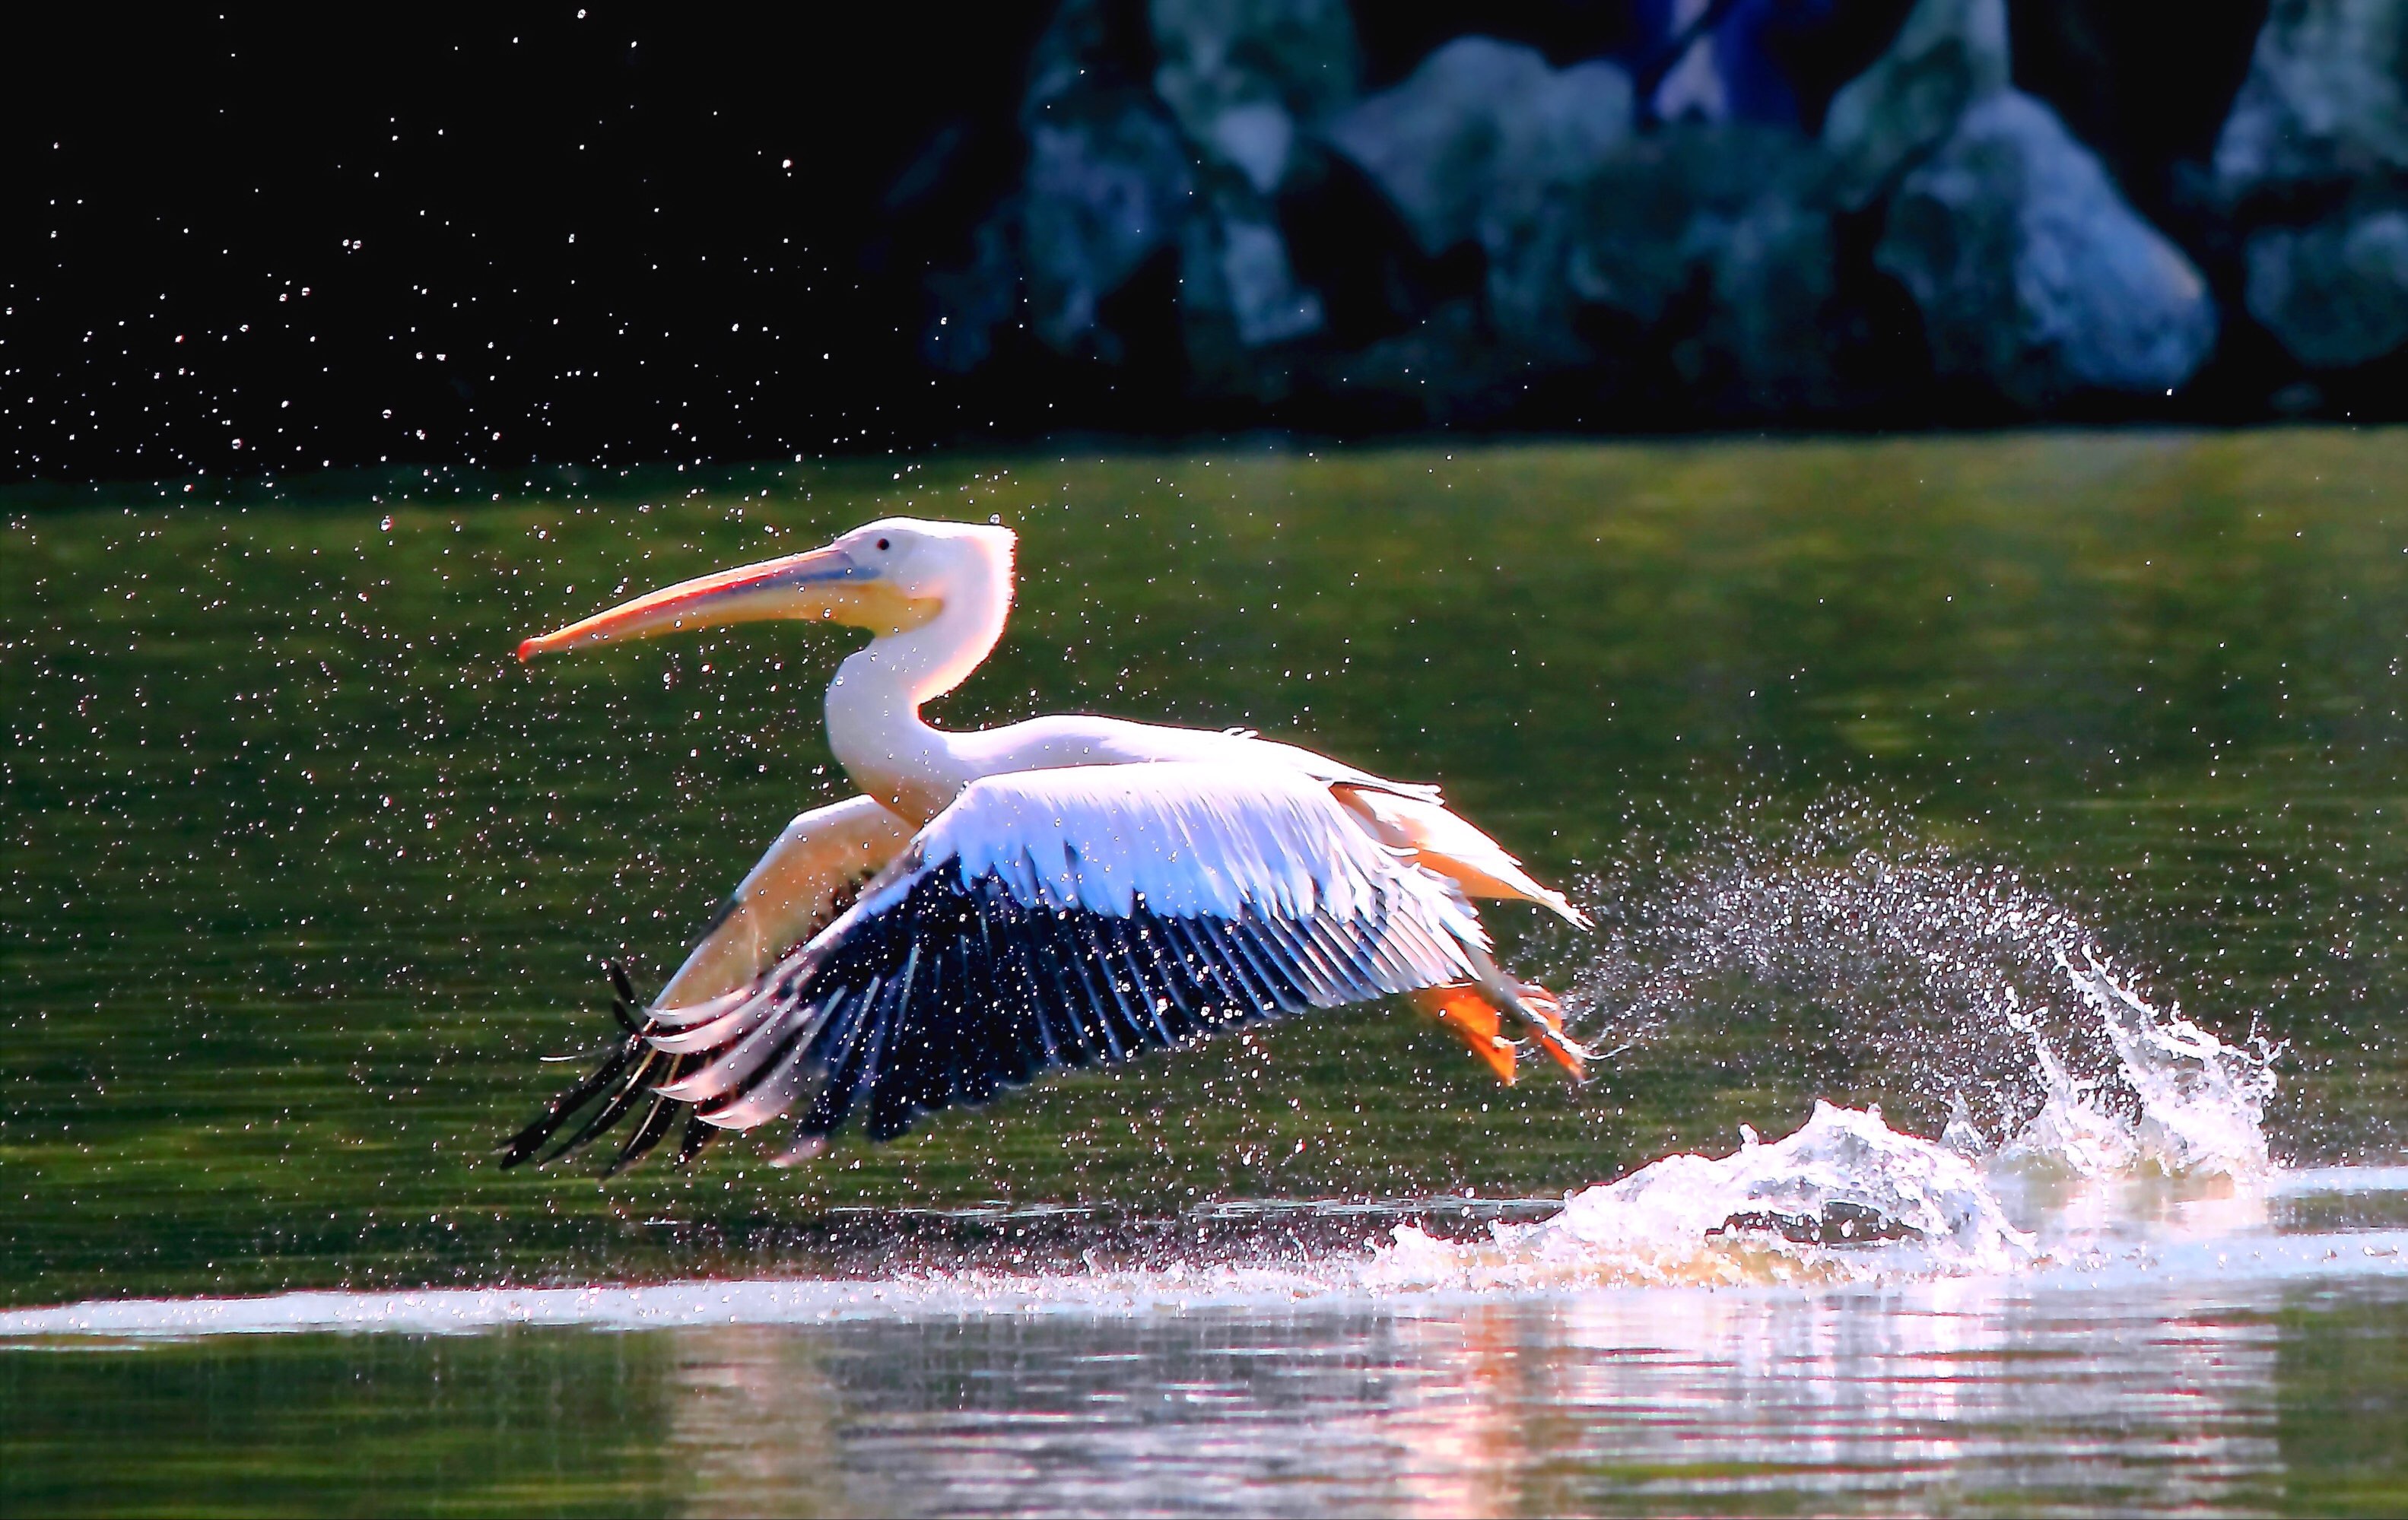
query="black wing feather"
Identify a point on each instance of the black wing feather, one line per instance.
(1002, 991)
(946, 989)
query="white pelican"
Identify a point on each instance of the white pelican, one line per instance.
(1050, 893)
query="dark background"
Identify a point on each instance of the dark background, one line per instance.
(248, 245)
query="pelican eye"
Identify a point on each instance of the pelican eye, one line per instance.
(883, 544)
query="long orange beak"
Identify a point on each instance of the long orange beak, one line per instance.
(824, 583)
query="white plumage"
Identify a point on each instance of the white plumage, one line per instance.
(1057, 892)
(1191, 838)
(1192, 897)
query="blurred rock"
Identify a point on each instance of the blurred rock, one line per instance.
(1106, 187)
(1720, 59)
(2315, 153)
(1764, 346)
(1708, 241)
(1107, 184)
(2300, 398)
(974, 300)
(2148, 96)
(2323, 101)
(1238, 292)
(1240, 75)
(1076, 56)
(1472, 144)
(2032, 273)
(1503, 239)
(1950, 55)
(2334, 293)
(1447, 369)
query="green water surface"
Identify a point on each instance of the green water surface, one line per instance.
(303, 870)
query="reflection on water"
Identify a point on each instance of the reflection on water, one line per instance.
(1962, 1395)
(755, 1424)
(2176, 1344)
(1602, 1401)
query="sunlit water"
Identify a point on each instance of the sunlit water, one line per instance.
(1992, 850)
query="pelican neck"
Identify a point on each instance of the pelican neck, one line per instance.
(873, 705)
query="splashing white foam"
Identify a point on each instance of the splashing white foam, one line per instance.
(1845, 1200)
(1957, 986)
(2203, 1101)
(1848, 1199)
(2197, 1105)
(1844, 1189)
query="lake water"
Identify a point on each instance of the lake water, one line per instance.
(2036, 794)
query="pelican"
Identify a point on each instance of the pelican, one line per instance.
(1060, 891)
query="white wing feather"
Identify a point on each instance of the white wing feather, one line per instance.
(1103, 909)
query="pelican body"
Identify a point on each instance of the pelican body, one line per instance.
(1059, 892)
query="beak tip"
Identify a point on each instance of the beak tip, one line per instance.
(529, 649)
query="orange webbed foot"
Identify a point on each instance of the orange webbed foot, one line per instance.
(1473, 1020)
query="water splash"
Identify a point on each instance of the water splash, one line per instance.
(1844, 1199)
(1963, 992)
(1847, 1199)
(2199, 1103)
(1962, 985)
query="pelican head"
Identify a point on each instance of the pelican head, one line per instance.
(890, 577)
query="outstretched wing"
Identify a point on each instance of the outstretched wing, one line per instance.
(1067, 917)
(809, 876)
